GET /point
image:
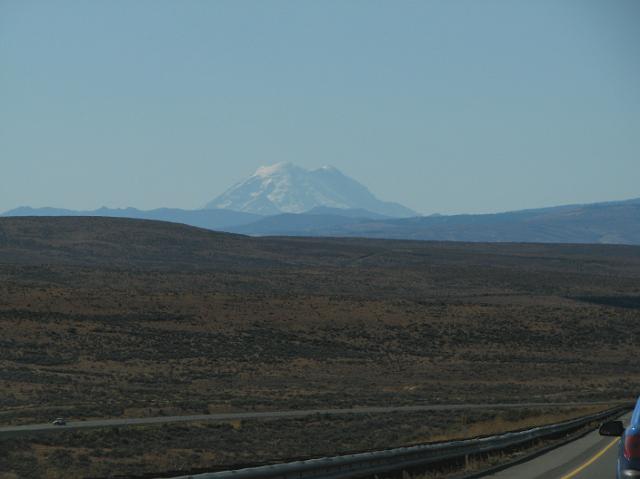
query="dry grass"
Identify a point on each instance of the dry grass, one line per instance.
(507, 422)
(109, 317)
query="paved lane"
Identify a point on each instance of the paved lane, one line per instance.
(10, 431)
(590, 457)
(600, 466)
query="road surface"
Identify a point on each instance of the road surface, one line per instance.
(10, 431)
(590, 457)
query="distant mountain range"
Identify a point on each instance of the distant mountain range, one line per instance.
(612, 222)
(284, 200)
(287, 188)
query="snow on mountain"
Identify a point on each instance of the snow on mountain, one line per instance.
(287, 188)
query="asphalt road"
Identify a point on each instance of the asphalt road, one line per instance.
(31, 429)
(590, 457)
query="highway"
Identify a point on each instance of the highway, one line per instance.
(30, 429)
(590, 457)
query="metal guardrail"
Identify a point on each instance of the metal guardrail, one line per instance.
(380, 462)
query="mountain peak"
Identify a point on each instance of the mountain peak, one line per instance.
(288, 188)
(274, 169)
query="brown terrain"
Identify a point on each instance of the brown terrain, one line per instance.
(106, 317)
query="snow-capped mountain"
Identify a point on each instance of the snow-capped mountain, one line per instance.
(287, 188)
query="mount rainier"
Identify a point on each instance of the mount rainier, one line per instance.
(287, 188)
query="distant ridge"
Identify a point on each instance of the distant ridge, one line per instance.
(613, 222)
(213, 219)
(346, 213)
(605, 223)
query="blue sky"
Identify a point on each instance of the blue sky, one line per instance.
(446, 106)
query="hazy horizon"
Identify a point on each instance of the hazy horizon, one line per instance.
(444, 107)
(266, 166)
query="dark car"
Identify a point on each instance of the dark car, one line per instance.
(628, 464)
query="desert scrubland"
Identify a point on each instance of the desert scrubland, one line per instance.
(105, 317)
